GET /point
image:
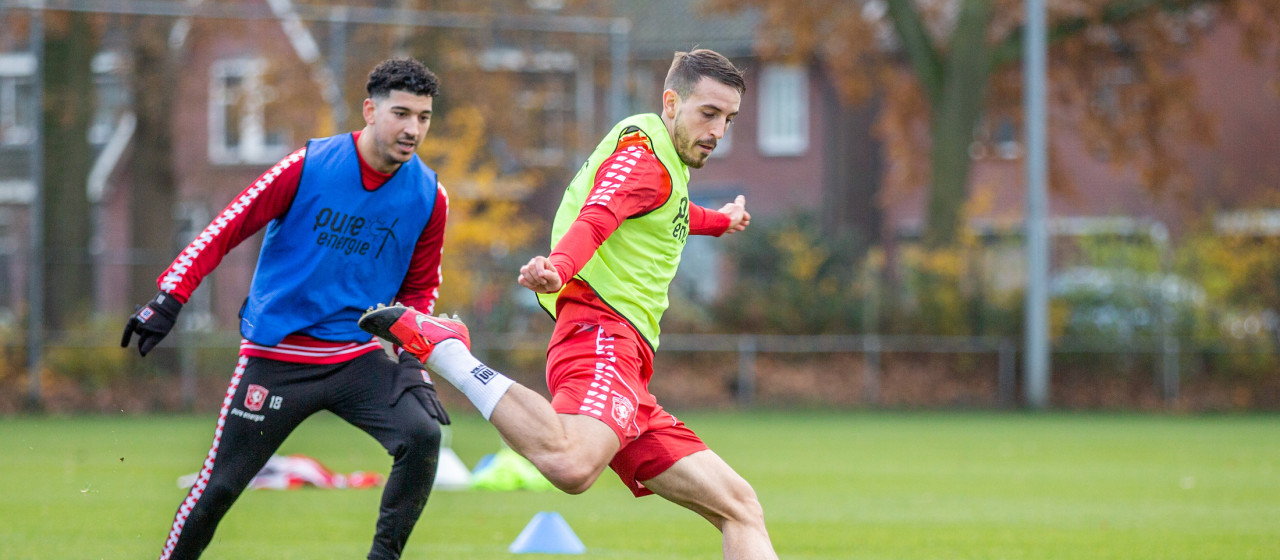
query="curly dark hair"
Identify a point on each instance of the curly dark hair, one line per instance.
(402, 74)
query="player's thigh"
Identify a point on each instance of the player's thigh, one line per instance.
(369, 394)
(593, 372)
(706, 484)
(269, 400)
(593, 441)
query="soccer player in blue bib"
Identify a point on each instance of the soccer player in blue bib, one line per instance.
(351, 220)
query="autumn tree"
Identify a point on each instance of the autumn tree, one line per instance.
(152, 188)
(486, 217)
(941, 68)
(476, 143)
(67, 80)
(484, 127)
(158, 50)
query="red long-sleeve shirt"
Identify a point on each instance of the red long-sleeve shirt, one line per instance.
(614, 199)
(268, 198)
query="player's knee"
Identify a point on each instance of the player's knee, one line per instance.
(573, 486)
(215, 500)
(422, 439)
(742, 504)
(570, 477)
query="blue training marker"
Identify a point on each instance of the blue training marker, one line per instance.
(547, 533)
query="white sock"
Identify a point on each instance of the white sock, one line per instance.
(484, 386)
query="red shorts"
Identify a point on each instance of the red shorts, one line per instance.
(602, 371)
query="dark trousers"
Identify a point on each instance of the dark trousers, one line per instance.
(267, 399)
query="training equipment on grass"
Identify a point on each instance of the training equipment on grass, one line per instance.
(297, 471)
(506, 470)
(451, 472)
(547, 533)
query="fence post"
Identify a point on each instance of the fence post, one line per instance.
(871, 325)
(871, 368)
(746, 370)
(35, 213)
(1168, 341)
(337, 57)
(1005, 356)
(1169, 369)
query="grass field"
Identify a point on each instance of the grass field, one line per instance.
(834, 485)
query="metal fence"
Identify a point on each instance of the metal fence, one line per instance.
(201, 358)
(747, 347)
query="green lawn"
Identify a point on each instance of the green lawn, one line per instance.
(834, 485)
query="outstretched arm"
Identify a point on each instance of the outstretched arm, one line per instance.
(540, 276)
(266, 199)
(731, 218)
(614, 198)
(739, 218)
(594, 225)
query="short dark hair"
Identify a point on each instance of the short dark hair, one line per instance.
(689, 67)
(402, 74)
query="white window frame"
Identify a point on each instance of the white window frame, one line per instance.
(254, 146)
(783, 110)
(112, 98)
(551, 102)
(15, 69)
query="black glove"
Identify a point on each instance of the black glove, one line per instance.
(412, 378)
(151, 321)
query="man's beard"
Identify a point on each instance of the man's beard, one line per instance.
(687, 149)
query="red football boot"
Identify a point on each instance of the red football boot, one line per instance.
(413, 330)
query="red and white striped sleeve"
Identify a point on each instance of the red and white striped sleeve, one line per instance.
(266, 199)
(421, 286)
(630, 182)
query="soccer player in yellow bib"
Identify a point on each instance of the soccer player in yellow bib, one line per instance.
(617, 240)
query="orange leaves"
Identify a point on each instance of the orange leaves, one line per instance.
(847, 37)
(487, 220)
(903, 127)
(1122, 72)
